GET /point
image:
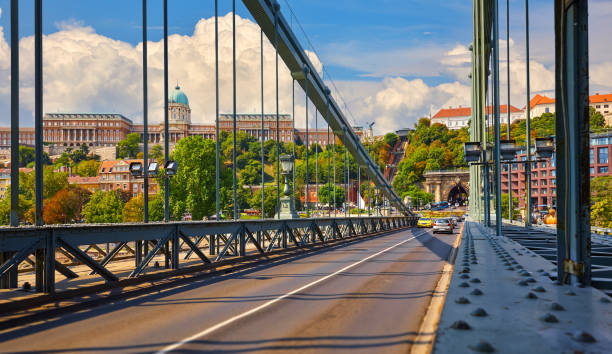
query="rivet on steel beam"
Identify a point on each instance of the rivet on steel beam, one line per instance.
(476, 292)
(464, 285)
(461, 325)
(475, 280)
(530, 280)
(523, 283)
(569, 293)
(464, 276)
(539, 289)
(556, 307)
(479, 312)
(550, 318)
(531, 295)
(584, 337)
(462, 301)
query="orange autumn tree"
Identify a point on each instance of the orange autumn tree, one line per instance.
(66, 205)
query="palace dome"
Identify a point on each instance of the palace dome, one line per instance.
(178, 96)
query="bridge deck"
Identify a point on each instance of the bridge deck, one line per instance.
(369, 296)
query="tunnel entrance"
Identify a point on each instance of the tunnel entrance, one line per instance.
(457, 194)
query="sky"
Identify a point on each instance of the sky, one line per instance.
(386, 61)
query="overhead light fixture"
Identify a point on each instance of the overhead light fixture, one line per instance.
(153, 169)
(171, 168)
(545, 147)
(136, 169)
(507, 149)
(472, 151)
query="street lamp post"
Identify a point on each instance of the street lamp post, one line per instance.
(287, 206)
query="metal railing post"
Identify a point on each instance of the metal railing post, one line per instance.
(145, 111)
(217, 137)
(572, 142)
(496, 118)
(528, 122)
(166, 129)
(38, 111)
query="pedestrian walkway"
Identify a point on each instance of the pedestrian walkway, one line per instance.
(501, 298)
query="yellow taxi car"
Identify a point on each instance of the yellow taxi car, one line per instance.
(425, 222)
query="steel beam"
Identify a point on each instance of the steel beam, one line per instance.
(294, 56)
(572, 142)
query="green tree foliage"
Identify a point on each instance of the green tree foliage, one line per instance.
(269, 201)
(193, 188)
(597, 120)
(323, 194)
(391, 139)
(505, 205)
(104, 207)
(157, 152)
(601, 201)
(133, 210)
(128, 148)
(87, 168)
(431, 147)
(27, 155)
(24, 205)
(419, 197)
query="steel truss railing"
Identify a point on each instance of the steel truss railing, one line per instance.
(223, 239)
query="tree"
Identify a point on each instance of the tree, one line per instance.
(596, 119)
(87, 168)
(601, 197)
(193, 188)
(391, 139)
(128, 148)
(601, 188)
(133, 210)
(104, 207)
(505, 206)
(419, 197)
(601, 213)
(66, 206)
(323, 195)
(269, 201)
(23, 206)
(27, 155)
(157, 152)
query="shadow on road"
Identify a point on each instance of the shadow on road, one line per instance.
(271, 344)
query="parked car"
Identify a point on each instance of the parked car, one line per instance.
(454, 220)
(443, 225)
(425, 222)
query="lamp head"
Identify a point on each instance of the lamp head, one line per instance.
(545, 147)
(171, 168)
(286, 162)
(507, 149)
(153, 169)
(472, 151)
(136, 169)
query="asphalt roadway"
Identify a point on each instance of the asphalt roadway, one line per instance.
(367, 296)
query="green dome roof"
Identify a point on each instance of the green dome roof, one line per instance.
(178, 96)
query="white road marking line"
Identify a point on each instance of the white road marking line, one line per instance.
(273, 301)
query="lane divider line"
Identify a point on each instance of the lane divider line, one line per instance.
(273, 301)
